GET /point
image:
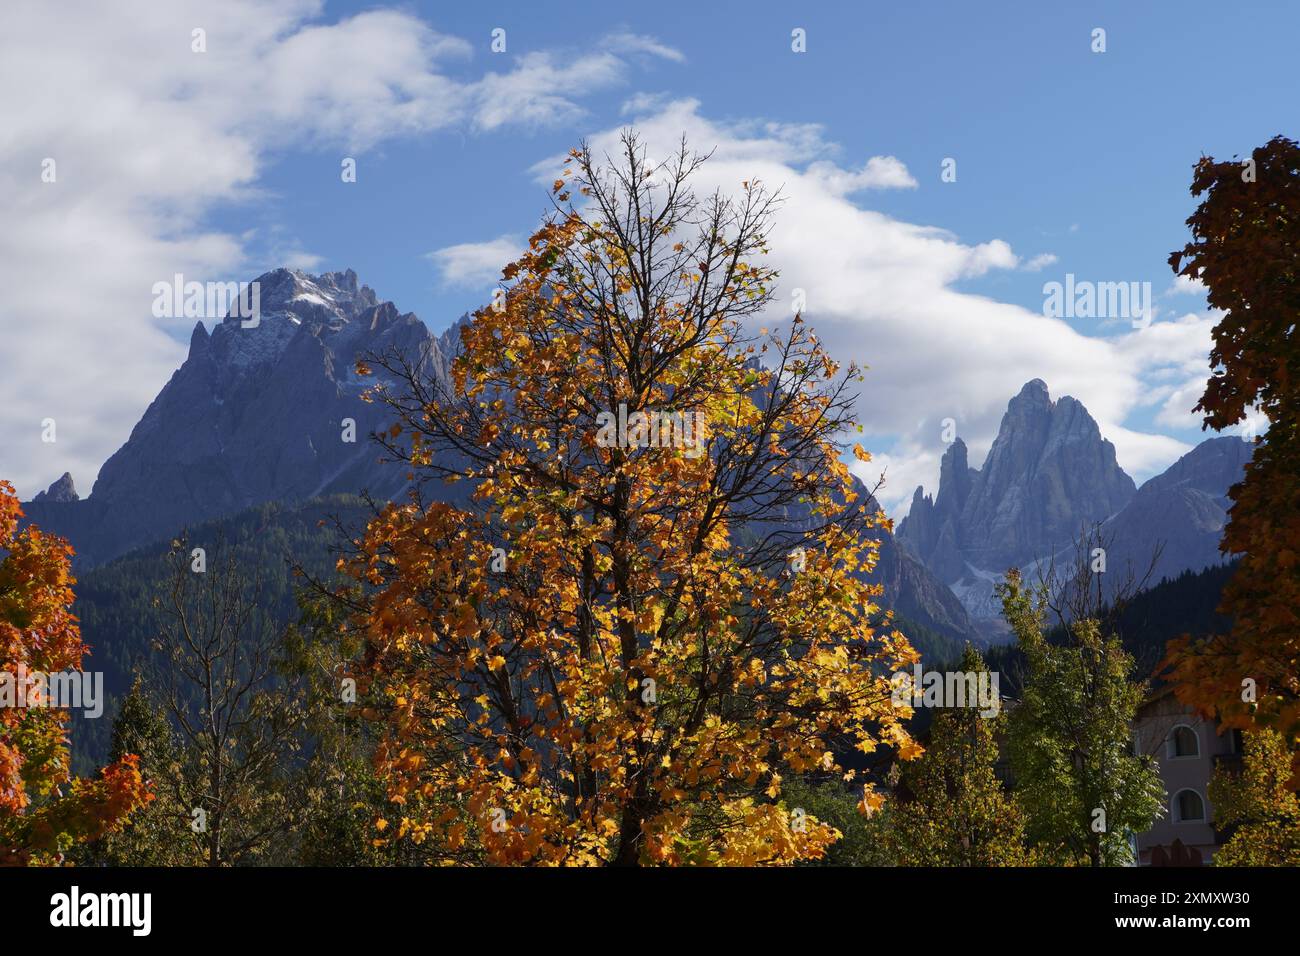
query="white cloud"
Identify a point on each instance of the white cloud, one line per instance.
(1186, 285)
(879, 172)
(535, 92)
(1173, 359)
(538, 89)
(639, 43)
(895, 474)
(1040, 262)
(1255, 424)
(1143, 454)
(1179, 400)
(641, 103)
(298, 259)
(475, 264)
(881, 291)
(149, 137)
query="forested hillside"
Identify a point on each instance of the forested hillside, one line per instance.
(1187, 604)
(120, 618)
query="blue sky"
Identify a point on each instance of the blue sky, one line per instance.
(230, 165)
(1084, 155)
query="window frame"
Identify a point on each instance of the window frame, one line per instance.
(1171, 747)
(1176, 810)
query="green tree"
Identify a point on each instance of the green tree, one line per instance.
(160, 833)
(1254, 801)
(958, 813)
(343, 795)
(828, 800)
(1082, 787)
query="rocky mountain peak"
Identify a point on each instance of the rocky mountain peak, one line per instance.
(329, 299)
(1213, 466)
(1175, 521)
(1033, 392)
(62, 490)
(257, 413)
(955, 478)
(932, 529)
(1048, 474)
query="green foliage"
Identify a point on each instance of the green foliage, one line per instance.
(1184, 604)
(1082, 788)
(316, 809)
(828, 801)
(115, 603)
(952, 810)
(344, 795)
(933, 646)
(1256, 807)
(159, 834)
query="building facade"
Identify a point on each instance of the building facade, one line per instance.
(1187, 750)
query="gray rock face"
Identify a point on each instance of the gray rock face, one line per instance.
(1182, 512)
(62, 490)
(915, 593)
(254, 415)
(1050, 476)
(932, 524)
(912, 590)
(257, 414)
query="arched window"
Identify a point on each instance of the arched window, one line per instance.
(1183, 742)
(1189, 807)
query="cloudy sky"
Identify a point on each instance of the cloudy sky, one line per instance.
(225, 162)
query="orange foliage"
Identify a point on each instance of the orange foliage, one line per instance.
(631, 684)
(1246, 250)
(43, 811)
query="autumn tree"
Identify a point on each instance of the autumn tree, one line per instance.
(44, 811)
(649, 610)
(1070, 739)
(1245, 249)
(1254, 805)
(951, 808)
